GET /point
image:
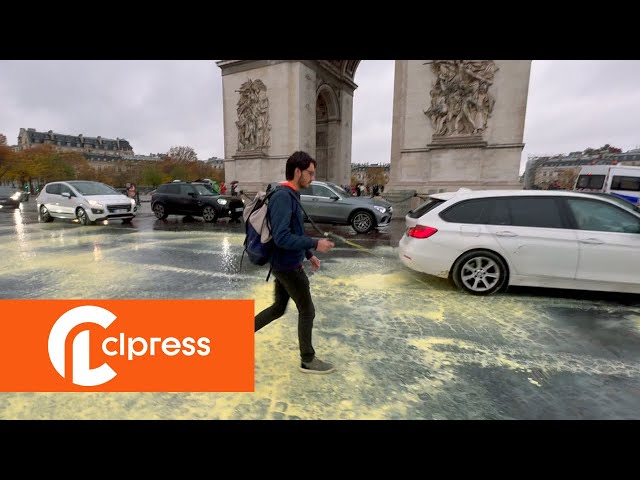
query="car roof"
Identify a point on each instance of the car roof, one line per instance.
(465, 193)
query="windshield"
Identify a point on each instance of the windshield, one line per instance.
(8, 190)
(93, 188)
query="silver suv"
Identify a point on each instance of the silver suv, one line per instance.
(84, 200)
(326, 202)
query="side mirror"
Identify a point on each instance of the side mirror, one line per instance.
(334, 197)
(66, 194)
(192, 194)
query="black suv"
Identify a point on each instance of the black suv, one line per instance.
(185, 198)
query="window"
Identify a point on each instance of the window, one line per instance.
(541, 212)
(65, 189)
(602, 217)
(474, 211)
(186, 189)
(590, 181)
(631, 184)
(423, 208)
(54, 188)
(322, 191)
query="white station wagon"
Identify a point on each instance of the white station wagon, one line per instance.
(486, 240)
(84, 200)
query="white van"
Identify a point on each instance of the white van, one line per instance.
(618, 180)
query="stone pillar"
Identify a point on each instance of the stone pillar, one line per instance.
(457, 124)
(269, 112)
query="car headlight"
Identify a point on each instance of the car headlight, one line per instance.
(16, 196)
(380, 209)
(222, 201)
(93, 203)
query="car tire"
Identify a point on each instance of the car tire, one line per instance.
(209, 214)
(45, 216)
(362, 221)
(82, 216)
(480, 272)
(159, 211)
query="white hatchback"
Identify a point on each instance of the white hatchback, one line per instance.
(487, 240)
(85, 201)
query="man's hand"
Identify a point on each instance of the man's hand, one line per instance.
(324, 245)
(315, 263)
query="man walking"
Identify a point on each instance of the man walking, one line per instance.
(291, 248)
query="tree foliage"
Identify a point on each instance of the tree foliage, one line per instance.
(44, 163)
(182, 154)
(375, 175)
(606, 148)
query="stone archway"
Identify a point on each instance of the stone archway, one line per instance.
(456, 123)
(327, 131)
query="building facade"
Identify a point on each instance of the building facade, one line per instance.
(100, 152)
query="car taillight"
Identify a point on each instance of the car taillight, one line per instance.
(420, 231)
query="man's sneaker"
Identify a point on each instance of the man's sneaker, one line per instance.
(316, 366)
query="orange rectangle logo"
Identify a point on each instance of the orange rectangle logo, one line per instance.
(127, 346)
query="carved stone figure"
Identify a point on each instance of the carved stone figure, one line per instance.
(460, 100)
(254, 130)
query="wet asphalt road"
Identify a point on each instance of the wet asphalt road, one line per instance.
(406, 345)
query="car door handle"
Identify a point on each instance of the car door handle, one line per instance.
(591, 241)
(506, 233)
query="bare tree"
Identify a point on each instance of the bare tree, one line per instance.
(182, 154)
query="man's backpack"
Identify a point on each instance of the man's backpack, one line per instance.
(258, 243)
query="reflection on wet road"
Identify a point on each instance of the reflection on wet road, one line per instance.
(407, 346)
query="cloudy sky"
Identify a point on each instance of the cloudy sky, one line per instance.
(158, 104)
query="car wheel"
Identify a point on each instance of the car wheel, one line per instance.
(362, 222)
(159, 211)
(82, 216)
(45, 216)
(209, 214)
(480, 272)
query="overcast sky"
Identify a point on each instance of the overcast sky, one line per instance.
(155, 105)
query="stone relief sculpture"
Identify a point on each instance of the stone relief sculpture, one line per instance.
(460, 100)
(254, 130)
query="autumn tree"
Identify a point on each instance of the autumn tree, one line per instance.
(78, 163)
(152, 176)
(606, 148)
(567, 178)
(182, 154)
(6, 159)
(375, 175)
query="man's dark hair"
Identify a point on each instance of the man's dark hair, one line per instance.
(300, 160)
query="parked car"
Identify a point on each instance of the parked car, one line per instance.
(326, 202)
(195, 199)
(84, 200)
(10, 197)
(485, 241)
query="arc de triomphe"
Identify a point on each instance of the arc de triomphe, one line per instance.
(456, 123)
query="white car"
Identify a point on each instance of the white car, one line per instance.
(487, 240)
(84, 200)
